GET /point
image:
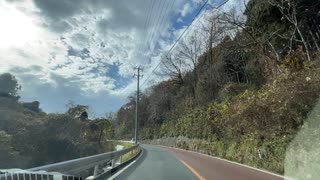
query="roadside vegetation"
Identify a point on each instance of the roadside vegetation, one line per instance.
(240, 88)
(30, 137)
(245, 95)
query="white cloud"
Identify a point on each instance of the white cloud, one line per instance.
(69, 45)
(186, 10)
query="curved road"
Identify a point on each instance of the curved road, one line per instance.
(158, 163)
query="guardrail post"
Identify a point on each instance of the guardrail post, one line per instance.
(96, 170)
(112, 163)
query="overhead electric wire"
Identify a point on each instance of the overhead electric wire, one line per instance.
(157, 22)
(182, 34)
(159, 25)
(168, 14)
(147, 23)
(155, 26)
(149, 16)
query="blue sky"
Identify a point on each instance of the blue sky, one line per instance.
(85, 51)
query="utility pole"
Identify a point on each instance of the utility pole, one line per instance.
(137, 106)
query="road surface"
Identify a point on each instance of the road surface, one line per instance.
(158, 163)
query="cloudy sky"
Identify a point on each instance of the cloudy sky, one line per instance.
(85, 50)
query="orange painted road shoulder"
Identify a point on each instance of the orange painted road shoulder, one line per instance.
(192, 170)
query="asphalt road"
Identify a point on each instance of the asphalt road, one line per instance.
(158, 163)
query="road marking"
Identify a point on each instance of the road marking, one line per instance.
(192, 170)
(232, 162)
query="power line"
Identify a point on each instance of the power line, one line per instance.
(181, 35)
(153, 19)
(159, 25)
(164, 18)
(154, 24)
(147, 22)
(149, 14)
(172, 4)
(154, 29)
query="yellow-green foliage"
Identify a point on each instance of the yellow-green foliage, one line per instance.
(278, 107)
(296, 61)
(125, 145)
(220, 107)
(267, 119)
(129, 155)
(193, 124)
(253, 127)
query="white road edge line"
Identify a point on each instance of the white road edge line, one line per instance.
(123, 169)
(250, 167)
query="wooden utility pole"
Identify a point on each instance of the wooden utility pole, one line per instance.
(137, 106)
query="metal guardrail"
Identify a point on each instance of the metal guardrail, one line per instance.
(100, 163)
(75, 166)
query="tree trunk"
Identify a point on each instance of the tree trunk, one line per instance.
(304, 42)
(314, 40)
(100, 136)
(211, 42)
(274, 51)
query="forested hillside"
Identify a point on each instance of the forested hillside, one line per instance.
(247, 95)
(30, 137)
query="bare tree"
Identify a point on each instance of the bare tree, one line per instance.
(231, 22)
(184, 59)
(173, 67)
(215, 33)
(189, 51)
(288, 9)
